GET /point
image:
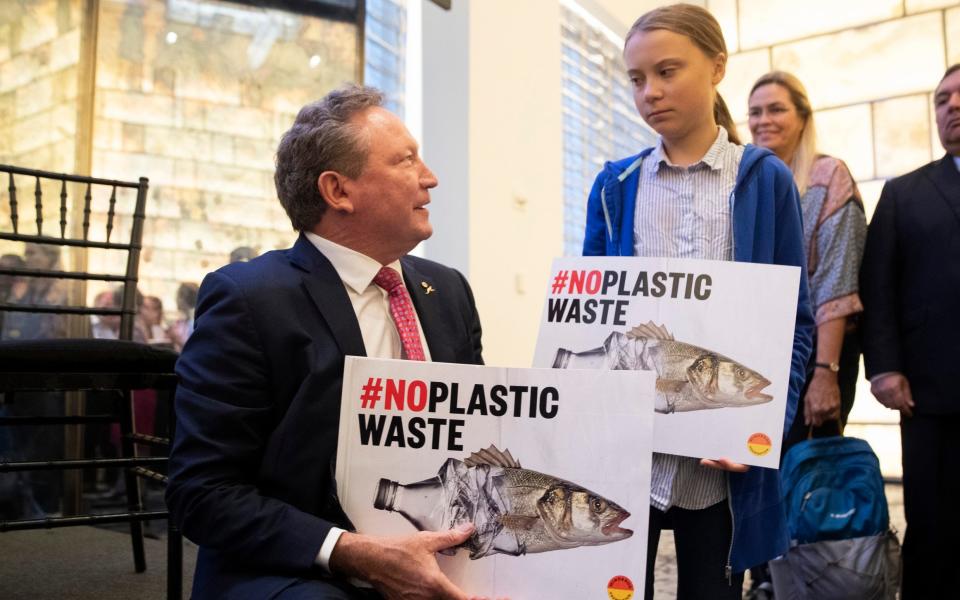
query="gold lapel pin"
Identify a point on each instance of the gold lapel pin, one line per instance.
(427, 287)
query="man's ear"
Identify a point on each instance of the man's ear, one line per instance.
(333, 189)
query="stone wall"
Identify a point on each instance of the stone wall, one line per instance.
(39, 59)
(870, 67)
(195, 96)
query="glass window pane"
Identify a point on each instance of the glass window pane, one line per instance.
(384, 50)
(39, 68)
(599, 120)
(195, 94)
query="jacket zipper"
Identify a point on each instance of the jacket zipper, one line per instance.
(606, 214)
(733, 229)
(728, 569)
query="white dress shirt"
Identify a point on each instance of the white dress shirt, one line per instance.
(372, 307)
(685, 212)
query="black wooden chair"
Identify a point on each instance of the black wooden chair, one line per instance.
(68, 368)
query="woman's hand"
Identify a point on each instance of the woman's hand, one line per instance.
(822, 401)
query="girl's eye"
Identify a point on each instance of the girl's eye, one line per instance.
(667, 72)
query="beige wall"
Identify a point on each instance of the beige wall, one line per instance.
(512, 141)
(515, 167)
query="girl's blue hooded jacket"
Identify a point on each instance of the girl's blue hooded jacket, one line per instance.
(766, 229)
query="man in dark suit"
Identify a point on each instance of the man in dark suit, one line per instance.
(910, 284)
(251, 474)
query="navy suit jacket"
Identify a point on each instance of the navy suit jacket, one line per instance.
(258, 405)
(910, 285)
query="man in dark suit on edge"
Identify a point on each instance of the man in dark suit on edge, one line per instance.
(910, 286)
(258, 405)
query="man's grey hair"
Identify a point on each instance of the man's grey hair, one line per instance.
(321, 139)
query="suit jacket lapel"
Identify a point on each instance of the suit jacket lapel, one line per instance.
(428, 308)
(325, 288)
(946, 178)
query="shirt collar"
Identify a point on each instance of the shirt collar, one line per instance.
(355, 269)
(711, 159)
(956, 161)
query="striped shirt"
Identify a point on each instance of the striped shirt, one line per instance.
(685, 212)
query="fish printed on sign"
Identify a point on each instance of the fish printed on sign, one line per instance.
(515, 511)
(688, 377)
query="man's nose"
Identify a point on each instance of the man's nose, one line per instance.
(427, 178)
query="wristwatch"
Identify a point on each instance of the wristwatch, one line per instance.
(835, 367)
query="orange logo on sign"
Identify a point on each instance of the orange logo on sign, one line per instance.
(759, 444)
(620, 588)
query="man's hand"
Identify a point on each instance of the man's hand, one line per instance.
(822, 401)
(401, 567)
(893, 391)
(724, 464)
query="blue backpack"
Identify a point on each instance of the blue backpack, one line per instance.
(833, 490)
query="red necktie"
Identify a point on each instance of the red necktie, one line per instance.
(403, 313)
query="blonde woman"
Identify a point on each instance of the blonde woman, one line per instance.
(781, 119)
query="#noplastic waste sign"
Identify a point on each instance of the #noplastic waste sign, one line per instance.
(552, 467)
(718, 336)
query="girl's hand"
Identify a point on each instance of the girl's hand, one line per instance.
(724, 464)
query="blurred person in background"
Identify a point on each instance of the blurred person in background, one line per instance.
(43, 291)
(151, 318)
(16, 496)
(105, 327)
(108, 326)
(38, 442)
(186, 304)
(242, 254)
(8, 261)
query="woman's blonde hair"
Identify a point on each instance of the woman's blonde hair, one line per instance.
(806, 152)
(703, 30)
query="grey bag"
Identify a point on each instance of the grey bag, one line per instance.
(863, 568)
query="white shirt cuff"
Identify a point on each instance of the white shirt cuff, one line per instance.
(326, 549)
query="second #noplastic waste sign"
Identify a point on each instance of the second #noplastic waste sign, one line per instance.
(718, 335)
(552, 467)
